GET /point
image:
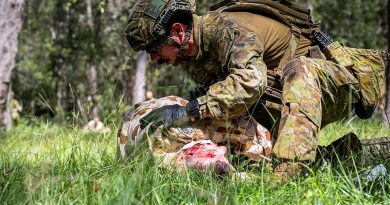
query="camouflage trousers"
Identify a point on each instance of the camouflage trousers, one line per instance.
(316, 92)
(196, 145)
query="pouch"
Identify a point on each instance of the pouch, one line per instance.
(369, 68)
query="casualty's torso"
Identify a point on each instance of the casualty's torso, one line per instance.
(273, 38)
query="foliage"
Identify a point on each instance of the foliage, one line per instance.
(42, 163)
(358, 23)
(58, 45)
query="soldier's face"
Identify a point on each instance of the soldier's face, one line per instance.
(167, 54)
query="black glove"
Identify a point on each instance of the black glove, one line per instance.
(168, 114)
(199, 91)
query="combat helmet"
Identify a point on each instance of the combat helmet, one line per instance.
(148, 19)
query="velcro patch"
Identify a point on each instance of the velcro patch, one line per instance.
(154, 9)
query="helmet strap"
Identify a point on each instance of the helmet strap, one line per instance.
(171, 42)
(182, 47)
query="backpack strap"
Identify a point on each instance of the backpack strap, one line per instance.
(290, 51)
(288, 13)
(288, 8)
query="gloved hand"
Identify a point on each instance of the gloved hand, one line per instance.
(164, 116)
(199, 91)
(168, 114)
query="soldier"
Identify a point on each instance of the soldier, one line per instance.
(199, 146)
(149, 95)
(95, 126)
(257, 62)
(16, 109)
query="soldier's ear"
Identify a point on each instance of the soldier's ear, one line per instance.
(178, 30)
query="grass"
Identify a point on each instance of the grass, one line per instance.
(43, 163)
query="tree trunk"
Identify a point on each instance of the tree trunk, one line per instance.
(92, 67)
(310, 5)
(388, 66)
(139, 83)
(93, 86)
(10, 24)
(89, 13)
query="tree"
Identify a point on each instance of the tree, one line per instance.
(139, 83)
(70, 49)
(310, 5)
(10, 26)
(356, 23)
(387, 110)
(93, 80)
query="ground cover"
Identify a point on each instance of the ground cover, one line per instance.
(44, 163)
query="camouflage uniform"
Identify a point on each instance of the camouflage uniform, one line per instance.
(196, 145)
(315, 93)
(242, 60)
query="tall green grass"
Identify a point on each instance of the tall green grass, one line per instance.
(42, 163)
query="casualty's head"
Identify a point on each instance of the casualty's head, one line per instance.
(161, 27)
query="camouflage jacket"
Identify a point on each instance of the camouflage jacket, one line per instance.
(236, 51)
